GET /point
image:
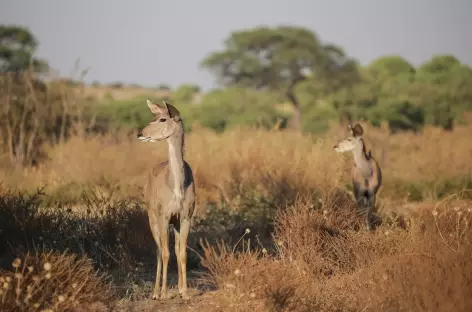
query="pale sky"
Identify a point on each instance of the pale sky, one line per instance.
(163, 41)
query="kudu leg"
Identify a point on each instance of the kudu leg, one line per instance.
(155, 234)
(177, 255)
(155, 294)
(370, 209)
(165, 258)
(184, 231)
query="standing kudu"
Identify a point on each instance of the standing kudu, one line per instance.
(169, 194)
(366, 173)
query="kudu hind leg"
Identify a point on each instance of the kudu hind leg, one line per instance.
(370, 210)
(184, 231)
(164, 235)
(155, 234)
(177, 255)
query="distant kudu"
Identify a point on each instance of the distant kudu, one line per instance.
(366, 173)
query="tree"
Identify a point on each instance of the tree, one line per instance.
(185, 93)
(17, 47)
(278, 58)
(390, 66)
(445, 86)
(439, 63)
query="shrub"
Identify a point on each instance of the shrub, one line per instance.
(60, 282)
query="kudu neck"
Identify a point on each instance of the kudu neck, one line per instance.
(361, 159)
(176, 162)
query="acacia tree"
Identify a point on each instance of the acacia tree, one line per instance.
(278, 58)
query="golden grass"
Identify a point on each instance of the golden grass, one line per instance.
(118, 94)
(274, 165)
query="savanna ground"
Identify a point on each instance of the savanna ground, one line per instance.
(276, 228)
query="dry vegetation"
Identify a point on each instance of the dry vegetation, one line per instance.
(118, 93)
(305, 250)
(58, 282)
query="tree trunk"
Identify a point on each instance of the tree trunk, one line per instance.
(296, 120)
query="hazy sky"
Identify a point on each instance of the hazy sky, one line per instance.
(163, 41)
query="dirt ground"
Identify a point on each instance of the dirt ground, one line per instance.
(198, 302)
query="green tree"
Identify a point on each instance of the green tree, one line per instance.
(279, 58)
(445, 87)
(17, 47)
(185, 93)
(390, 66)
(439, 64)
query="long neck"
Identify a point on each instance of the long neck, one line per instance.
(360, 159)
(176, 163)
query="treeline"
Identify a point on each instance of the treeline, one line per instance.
(322, 82)
(286, 77)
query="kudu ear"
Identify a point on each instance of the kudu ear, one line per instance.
(172, 111)
(155, 109)
(357, 130)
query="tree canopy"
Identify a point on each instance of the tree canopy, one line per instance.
(17, 48)
(279, 58)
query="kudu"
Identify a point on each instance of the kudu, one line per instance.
(366, 173)
(169, 194)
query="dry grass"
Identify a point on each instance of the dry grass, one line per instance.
(274, 166)
(125, 93)
(305, 250)
(322, 263)
(53, 282)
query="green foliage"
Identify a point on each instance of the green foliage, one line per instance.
(17, 47)
(279, 58)
(129, 113)
(223, 109)
(164, 87)
(390, 66)
(185, 93)
(317, 120)
(439, 64)
(437, 93)
(400, 115)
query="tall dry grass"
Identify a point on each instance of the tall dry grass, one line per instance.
(263, 166)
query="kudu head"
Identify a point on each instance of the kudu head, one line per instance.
(166, 122)
(353, 141)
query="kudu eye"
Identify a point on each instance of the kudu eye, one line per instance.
(162, 120)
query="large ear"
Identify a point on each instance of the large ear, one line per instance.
(172, 111)
(155, 109)
(357, 131)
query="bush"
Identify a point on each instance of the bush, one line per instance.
(184, 94)
(60, 282)
(221, 110)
